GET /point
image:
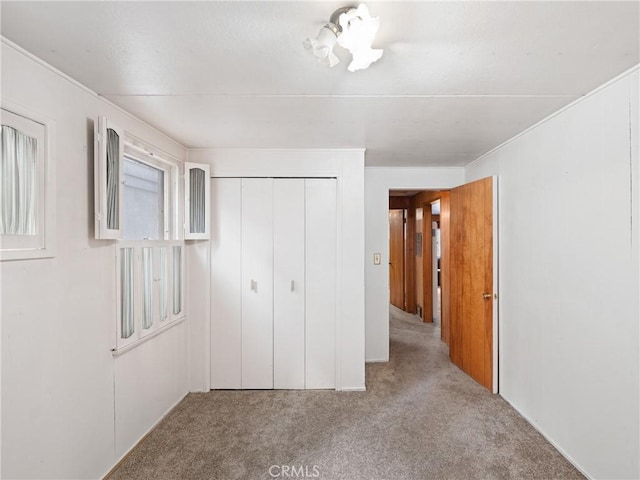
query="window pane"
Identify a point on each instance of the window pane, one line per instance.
(126, 293)
(162, 277)
(113, 180)
(143, 201)
(18, 181)
(177, 280)
(197, 197)
(147, 287)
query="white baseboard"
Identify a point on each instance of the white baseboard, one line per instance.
(354, 389)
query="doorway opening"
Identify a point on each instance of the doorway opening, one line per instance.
(443, 269)
(418, 254)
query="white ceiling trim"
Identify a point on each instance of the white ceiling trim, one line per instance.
(350, 95)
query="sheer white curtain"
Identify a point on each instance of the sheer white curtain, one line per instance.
(127, 326)
(164, 281)
(147, 287)
(177, 280)
(18, 182)
(197, 199)
(113, 179)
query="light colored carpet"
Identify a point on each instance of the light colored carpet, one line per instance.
(421, 418)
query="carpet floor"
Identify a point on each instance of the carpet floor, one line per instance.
(420, 418)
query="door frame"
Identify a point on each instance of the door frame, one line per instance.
(497, 345)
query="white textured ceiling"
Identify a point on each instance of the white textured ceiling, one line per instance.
(456, 78)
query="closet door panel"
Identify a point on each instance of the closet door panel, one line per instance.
(320, 266)
(289, 286)
(257, 283)
(226, 300)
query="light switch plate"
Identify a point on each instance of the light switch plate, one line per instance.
(376, 259)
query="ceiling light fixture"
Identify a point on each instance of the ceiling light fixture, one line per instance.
(351, 28)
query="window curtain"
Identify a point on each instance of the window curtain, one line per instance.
(18, 180)
(147, 287)
(127, 326)
(197, 207)
(113, 180)
(164, 300)
(177, 280)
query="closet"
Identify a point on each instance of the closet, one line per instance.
(273, 283)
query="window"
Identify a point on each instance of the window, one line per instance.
(144, 201)
(26, 187)
(137, 204)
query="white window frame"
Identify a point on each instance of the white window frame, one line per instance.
(42, 245)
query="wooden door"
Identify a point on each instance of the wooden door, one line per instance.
(321, 277)
(472, 280)
(396, 257)
(226, 283)
(257, 283)
(288, 283)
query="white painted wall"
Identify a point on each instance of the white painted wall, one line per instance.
(348, 167)
(61, 386)
(378, 182)
(569, 277)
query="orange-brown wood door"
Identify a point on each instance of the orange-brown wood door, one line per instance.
(472, 280)
(396, 257)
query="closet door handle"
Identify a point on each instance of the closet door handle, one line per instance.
(293, 285)
(254, 286)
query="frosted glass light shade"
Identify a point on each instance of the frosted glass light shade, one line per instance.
(358, 34)
(321, 47)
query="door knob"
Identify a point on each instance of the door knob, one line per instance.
(486, 296)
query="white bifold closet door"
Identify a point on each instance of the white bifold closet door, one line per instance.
(257, 283)
(273, 283)
(320, 274)
(226, 283)
(288, 283)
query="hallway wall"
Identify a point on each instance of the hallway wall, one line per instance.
(569, 215)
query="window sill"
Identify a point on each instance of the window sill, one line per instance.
(116, 352)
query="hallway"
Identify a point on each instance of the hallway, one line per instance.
(421, 418)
